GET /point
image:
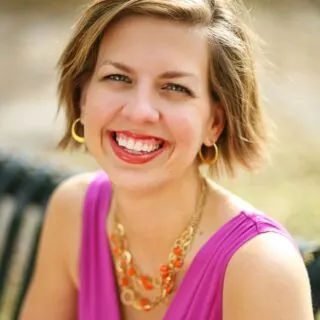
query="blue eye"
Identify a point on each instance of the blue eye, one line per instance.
(118, 77)
(178, 88)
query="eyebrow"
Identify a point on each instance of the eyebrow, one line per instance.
(166, 75)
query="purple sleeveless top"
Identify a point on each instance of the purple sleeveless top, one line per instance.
(200, 293)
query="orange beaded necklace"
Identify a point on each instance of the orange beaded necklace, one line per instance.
(132, 282)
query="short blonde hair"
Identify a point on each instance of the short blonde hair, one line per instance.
(232, 72)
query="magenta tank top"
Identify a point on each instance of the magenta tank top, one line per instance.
(200, 293)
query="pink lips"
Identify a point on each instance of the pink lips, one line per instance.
(131, 158)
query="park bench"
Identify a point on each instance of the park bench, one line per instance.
(25, 187)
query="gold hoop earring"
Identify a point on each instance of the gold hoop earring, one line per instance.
(208, 161)
(74, 134)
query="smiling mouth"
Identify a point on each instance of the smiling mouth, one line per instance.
(136, 144)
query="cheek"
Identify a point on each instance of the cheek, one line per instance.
(186, 128)
(100, 108)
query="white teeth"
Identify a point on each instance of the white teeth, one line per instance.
(136, 145)
(121, 142)
(145, 147)
(130, 144)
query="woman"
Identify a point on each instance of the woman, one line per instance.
(154, 89)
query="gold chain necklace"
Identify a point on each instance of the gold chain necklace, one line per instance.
(131, 281)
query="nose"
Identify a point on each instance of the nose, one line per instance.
(140, 109)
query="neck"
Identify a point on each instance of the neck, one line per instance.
(160, 214)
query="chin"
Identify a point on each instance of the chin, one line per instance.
(138, 182)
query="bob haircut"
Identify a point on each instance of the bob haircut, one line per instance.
(232, 77)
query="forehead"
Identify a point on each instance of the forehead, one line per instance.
(145, 42)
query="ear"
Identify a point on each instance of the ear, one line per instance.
(215, 124)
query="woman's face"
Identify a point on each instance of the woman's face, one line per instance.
(147, 108)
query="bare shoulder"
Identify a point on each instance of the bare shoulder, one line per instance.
(64, 213)
(54, 281)
(70, 193)
(225, 205)
(267, 279)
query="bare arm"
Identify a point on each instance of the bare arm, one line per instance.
(52, 294)
(267, 280)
